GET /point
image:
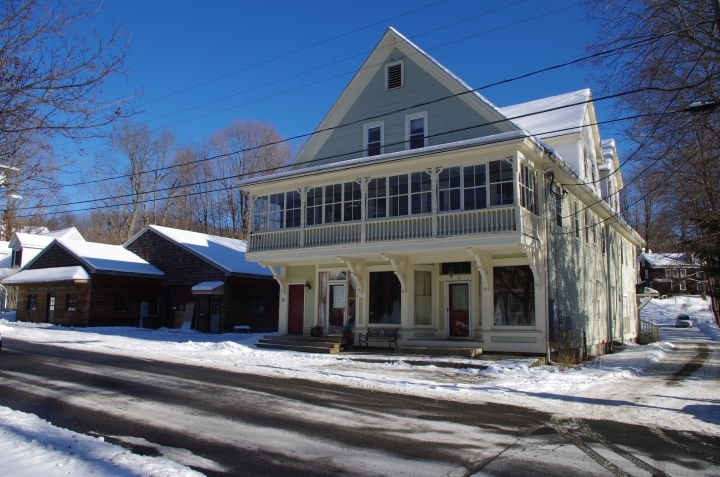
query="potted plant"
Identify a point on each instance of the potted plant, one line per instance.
(316, 331)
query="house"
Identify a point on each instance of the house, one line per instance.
(76, 283)
(670, 273)
(25, 246)
(208, 281)
(417, 204)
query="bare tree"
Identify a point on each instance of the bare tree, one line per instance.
(670, 50)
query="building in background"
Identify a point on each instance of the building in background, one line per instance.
(670, 273)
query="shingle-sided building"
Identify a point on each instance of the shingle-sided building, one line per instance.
(670, 273)
(207, 281)
(77, 283)
(417, 204)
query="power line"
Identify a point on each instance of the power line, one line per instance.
(487, 86)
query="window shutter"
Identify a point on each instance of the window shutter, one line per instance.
(394, 76)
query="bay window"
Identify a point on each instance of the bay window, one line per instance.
(501, 182)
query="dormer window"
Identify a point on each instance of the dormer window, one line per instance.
(394, 75)
(416, 130)
(373, 139)
(16, 258)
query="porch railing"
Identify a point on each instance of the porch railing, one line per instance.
(398, 228)
(649, 329)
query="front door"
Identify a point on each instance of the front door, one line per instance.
(336, 312)
(296, 309)
(51, 308)
(215, 314)
(458, 297)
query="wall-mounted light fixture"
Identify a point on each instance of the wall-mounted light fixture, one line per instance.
(307, 286)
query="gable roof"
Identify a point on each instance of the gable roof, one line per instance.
(667, 260)
(225, 253)
(45, 275)
(390, 40)
(103, 258)
(566, 120)
(70, 233)
(22, 239)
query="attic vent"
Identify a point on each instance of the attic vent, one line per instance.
(394, 75)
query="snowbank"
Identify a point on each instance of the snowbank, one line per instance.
(32, 446)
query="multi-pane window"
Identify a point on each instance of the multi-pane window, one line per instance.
(32, 302)
(276, 211)
(313, 206)
(125, 303)
(71, 302)
(377, 198)
(594, 229)
(587, 226)
(398, 195)
(558, 211)
(683, 272)
(501, 182)
(674, 272)
(333, 203)
(475, 187)
(258, 306)
(416, 132)
(528, 199)
(576, 217)
(374, 141)
(352, 197)
(682, 286)
(421, 192)
(449, 189)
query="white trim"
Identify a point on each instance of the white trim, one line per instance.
(402, 74)
(408, 117)
(367, 126)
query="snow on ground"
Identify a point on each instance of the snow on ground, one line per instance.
(32, 446)
(607, 387)
(664, 312)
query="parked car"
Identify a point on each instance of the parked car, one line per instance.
(683, 321)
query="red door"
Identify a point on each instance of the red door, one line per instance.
(296, 309)
(459, 310)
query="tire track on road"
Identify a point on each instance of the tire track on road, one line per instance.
(575, 440)
(659, 432)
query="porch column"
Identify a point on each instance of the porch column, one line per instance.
(303, 195)
(433, 187)
(363, 193)
(516, 187)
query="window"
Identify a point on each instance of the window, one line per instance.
(667, 273)
(587, 226)
(333, 203)
(416, 131)
(16, 258)
(594, 228)
(683, 272)
(646, 274)
(377, 200)
(558, 212)
(313, 206)
(602, 238)
(258, 306)
(699, 285)
(682, 285)
(125, 303)
(674, 273)
(384, 302)
(455, 268)
(215, 305)
(501, 182)
(31, 302)
(394, 75)
(449, 189)
(474, 187)
(514, 296)
(576, 219)
(420, 193)
(71, 302)
(398, 195)
(292, 209)
(276, 211)
(373, 138)
(423, 298)
(528, 199)
(352, 200)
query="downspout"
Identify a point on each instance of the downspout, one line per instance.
(608, 283)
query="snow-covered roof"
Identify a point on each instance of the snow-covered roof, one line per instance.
(207, 286)
(666, 260)
(70, 233)
(565, 120)
(101, 257)
(608, 149)
(44, 275)
(21, 239)
(226, 253)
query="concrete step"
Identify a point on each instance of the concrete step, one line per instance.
(462, 352)
(304, 349)
(317, 344)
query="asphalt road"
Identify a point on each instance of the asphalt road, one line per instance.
(223, 423)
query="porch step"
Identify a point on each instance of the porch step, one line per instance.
(434, 351)
(316, 344)
(320, 339)
(299, 347)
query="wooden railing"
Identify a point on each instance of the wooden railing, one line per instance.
(401, 228)
(476, 222)
(649, 329)
(398, 228)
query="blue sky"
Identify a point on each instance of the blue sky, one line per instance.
(179, 44)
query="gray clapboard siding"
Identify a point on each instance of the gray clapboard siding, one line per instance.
(420, 87)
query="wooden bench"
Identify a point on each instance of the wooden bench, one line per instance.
(388, 335)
